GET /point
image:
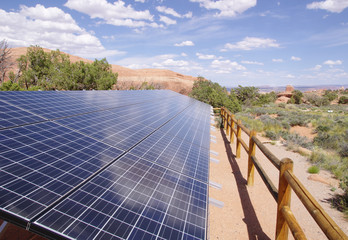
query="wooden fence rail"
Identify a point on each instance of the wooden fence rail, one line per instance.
(287, 182)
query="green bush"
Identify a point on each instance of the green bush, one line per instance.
(282, 105)
(316, 99)
(330, 95)
(343, 100)
(297, 97)
(53, 70)
(313, 169)
(10, 86)
(293, 139)
(272, 135)
(214, 95)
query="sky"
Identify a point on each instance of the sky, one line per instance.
(232, 42)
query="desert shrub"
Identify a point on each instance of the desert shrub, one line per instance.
(53, 70)
(266, 98)
(343, 100)
(330, 95)
(260, 111)
(285, 125)
(293, 118)
(250, 123)
(328, 140)
(246, 94)
(282, 105)
(296, 97)
(330, 161)
(272, 135)
(316, 99)
(343, 150)
(293, 140)
(214, 95)
(270, 124)
(322, 128)
(313, 169)
(10, 86)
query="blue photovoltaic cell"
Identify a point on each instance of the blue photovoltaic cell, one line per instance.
(48, 104)
(112, 99)
(131, 199)
(176, 154)
(191, 125)
(41, 162)
(124, 127)
(105, 164)
(11, 116)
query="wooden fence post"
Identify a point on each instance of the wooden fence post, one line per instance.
(228, 126)
(239, 134)
(225, 118)
(231, 130)
(251, 167)
(284, 197)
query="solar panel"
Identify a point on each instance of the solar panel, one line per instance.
(132, 199)
(11, 116)
(42, 162)
(105, 164)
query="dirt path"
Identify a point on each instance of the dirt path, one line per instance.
(250, 212)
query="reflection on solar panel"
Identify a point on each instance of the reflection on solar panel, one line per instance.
(105, 164)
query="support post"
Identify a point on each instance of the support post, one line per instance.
(222, 116)
(228, 126)
(251, 167)
(231, 130)
(239, 134)
(284, 197)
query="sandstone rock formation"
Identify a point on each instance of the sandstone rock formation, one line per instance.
(288, 92)
(283, 97)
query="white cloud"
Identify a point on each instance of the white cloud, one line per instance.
(289, 76)
(50, 28)
(142, 1)
(183, 54)
(293, 58)
(169, 11)
(172, 12)
(331, 62)
(167, 20)
(174, 63)
(187, 15)
(184, 43)
(116, 13)
(277, 60)
(227, 66)
(317, 67)
(252, 62)
(335, 6)
(205, 57)
(227, 8)
(167, 61)
(250, 43)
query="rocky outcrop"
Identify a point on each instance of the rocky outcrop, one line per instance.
(288, 92)
(283, 97)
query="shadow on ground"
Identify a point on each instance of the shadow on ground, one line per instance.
(253, 225)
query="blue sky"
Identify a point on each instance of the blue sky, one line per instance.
(232, 42)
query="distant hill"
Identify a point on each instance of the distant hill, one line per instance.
(164, 79)
(267, 89)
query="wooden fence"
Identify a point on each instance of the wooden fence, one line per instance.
(287, 182)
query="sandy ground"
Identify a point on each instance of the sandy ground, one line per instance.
(250, 212)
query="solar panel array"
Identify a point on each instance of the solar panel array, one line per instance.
(105, 164)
